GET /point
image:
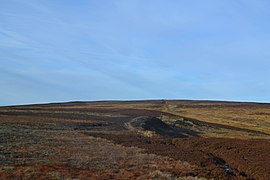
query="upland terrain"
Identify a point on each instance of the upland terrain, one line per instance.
(155, 139)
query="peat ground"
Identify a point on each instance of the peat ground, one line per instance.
(91, 140)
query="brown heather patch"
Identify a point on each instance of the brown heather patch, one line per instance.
(90, 141)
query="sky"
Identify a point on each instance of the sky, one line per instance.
(66, 50)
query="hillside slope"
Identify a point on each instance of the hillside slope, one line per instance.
(141, 139)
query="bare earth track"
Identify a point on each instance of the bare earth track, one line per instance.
(135, 140)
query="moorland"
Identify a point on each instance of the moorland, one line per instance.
(154, 139)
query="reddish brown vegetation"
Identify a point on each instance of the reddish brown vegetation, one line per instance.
(247, 158)
(92, 141)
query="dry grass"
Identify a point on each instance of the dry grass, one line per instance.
(33, 151)
(252, 117)
(50, 142)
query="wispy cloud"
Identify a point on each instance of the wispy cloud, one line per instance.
(133, 49)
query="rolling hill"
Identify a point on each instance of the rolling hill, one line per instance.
(162, 139)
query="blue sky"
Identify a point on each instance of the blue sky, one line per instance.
(134, 49)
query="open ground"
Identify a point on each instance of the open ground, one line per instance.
(161, 139)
